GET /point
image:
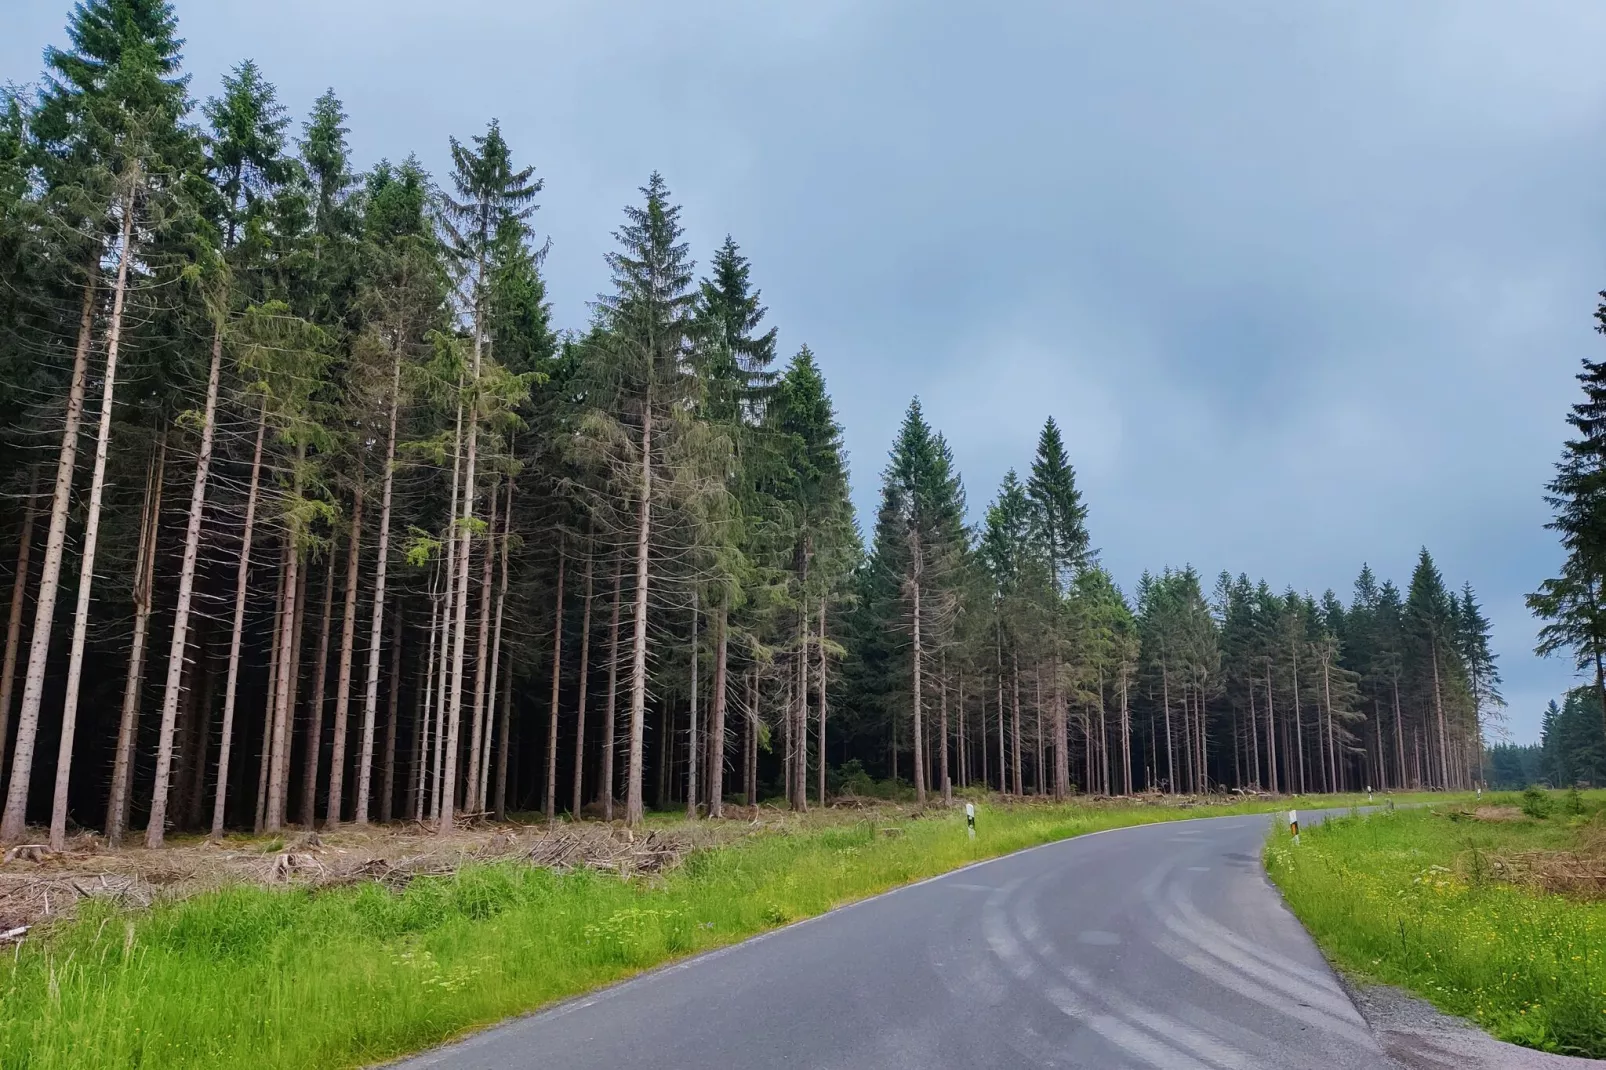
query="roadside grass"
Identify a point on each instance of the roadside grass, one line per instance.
(289, 978)
(1453, 905)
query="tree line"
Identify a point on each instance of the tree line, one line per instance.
(319, 518)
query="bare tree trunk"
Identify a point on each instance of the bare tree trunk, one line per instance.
(691, 744)
(1039, 780)
(454, 708)
(1438, 709)
(557, 679)
(821, 747)
(186, 588)
(1062, 737)
(585, 678)
(750, 759)
(320, 679)
(1126, 735)
(610, 730)
(479, 732)
(201, 741)
(716, 727)
(1332, 754)
(506, 734)
(800, 735)
(387, 785)
(289, 664)
(1020, 786)
(1299, 728)
(370, 702)
(230, 688)
(440, 759)
(271, 708)
(334, 805)
(19, 595)
(86, 571)
(918, 695)
(144, 571)
(1399, 733)
(13, 825)
(1271, 732)
(426, 705)
(638, 664)
(942, 735)
(496, 658)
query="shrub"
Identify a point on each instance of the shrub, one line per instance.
(1535, 803)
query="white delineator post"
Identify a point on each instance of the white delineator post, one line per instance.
(970, 819)
(1293, 824)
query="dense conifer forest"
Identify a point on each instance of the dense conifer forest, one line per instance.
(313, 515)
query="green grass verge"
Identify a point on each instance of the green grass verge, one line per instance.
(253, 977)
(1413, 899)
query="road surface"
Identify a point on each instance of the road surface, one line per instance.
(1157, 946)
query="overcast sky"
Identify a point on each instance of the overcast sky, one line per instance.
(1304, 284)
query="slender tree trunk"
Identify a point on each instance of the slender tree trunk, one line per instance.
(426, 708)
(270, 709)
(454, 705)
(1438, 710)
(1014, 741)
(716, 728)
(334, 805)
(1399, 733)
(230, 688)
(638, 664)
(750, 760)
(821, 747)
(19, 596)
(1126, 734)
(1254, 738)
(289, 664)
(496, 659)
(370, 702)
(86, 571)
(1299, 728)
(144, 583)
(201, 741)
(557, 680)
(1165, 703)
(585, 678)
(691, 738)
(186, 587)
(480, 730)
(917, 655)
(1332, 754)
(450, 591)
(506, 734)
(387, 785)
(1271, 733)
(800, 734)
(986, 772)
(1039, 783)
(942, 734)
(610, 730)
(1062, 737)
(320, 680)
(13, 825)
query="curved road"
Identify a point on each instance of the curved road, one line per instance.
(1157, 946)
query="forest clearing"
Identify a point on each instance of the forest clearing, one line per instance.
(1494, 911)
(242, 961)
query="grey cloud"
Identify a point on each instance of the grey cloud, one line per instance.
(1305, 284)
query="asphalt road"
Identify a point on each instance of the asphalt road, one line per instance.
(1158, 946)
